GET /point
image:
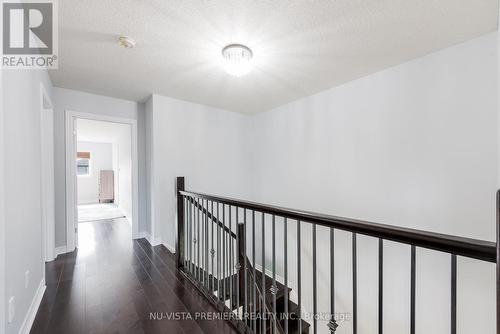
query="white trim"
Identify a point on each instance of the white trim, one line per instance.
(71, 205)
(35, 304)
(47, 189)
(60, 250)
(142, 235)
(170, 248)
(147, 236)
(154, 241)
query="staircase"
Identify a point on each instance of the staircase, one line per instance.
(287, 312)
(216, 249)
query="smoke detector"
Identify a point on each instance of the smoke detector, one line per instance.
(126, 42)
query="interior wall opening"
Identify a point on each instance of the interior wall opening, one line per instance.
(104, 170)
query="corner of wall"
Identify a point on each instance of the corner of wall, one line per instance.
(148, 126)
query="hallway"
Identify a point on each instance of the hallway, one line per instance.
(111, 284)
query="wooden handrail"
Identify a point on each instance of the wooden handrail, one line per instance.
(213, 218)
(467, 247)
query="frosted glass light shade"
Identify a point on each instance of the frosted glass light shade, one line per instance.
(237, 59)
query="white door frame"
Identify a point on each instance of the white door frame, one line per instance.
(47, 181)
(71, 178)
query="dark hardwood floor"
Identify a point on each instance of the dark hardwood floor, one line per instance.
(113, 283)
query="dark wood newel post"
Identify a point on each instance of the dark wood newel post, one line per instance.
(179, 241)
(241, 259)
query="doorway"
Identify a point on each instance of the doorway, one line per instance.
(101, 170)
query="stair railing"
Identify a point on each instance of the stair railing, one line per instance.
(230, 247)
(251, 309)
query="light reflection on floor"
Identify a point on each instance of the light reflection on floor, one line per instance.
(86, 239)
(94, 237)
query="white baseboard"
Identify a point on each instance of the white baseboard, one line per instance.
(141, 235)
(147, 236)
(155, 242)
(60, 250)
(170, 248)
(35, 303)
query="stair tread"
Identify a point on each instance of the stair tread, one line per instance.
(293, 323)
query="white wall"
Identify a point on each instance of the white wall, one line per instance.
(100, 159)
(21, 137)
(204, 144)
(2, 211)
(414, 145)
(66, 99)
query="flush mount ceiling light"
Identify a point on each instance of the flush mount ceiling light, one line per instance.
(237, 59)
(126, 42)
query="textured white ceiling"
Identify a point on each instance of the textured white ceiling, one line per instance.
(301, 46)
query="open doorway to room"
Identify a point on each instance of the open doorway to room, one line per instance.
(101, 174)
(104, 170)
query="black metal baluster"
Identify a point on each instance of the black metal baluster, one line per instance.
(274, 288)
(219, 271)
(206, 247)
(198, 240)
(299, 283)
(212, 247)
(412, 288)
(285, 251)
(226, 255)
(354, 285)
(201, 241)
(254, 275)
(245, 310)
(190, 237)
(380, 286)
(260, 308)
(185, 236)
(203, 244)
(453, 294)
(231, 254)
(315, 279)
(237, 264)
(332, 324)
(263, 273)
(193, 235)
